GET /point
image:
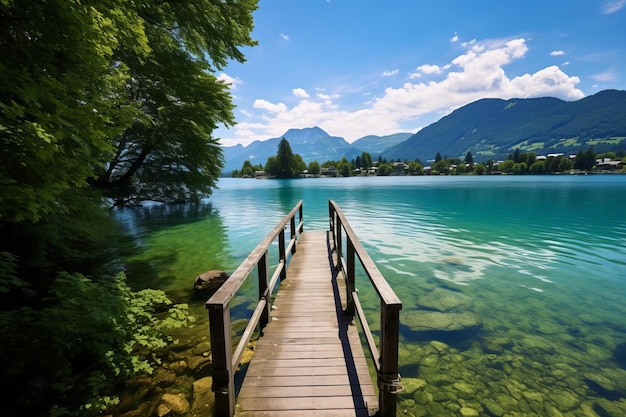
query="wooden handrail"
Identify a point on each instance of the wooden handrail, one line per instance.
(225, 361)
(385, 362)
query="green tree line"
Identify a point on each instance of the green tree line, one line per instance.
(287, 165)
(103, 104)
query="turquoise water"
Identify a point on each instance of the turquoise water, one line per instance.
(534, 269)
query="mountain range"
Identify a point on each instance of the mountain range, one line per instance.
(488, 128)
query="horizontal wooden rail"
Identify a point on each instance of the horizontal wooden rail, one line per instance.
(225, 361)
(385, 362)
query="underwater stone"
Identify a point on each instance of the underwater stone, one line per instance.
(533, 396)
(552, 411)
(441, 396)
(427, 321)
(496, 345)
(430, 360)
(203, 397)
(507, 402)
(423, 397)
(468, 412)
(439, 380)
(439, 346)
(565, 400)
(176, 402)
(444, 300)
(493, 408)
(463, 390)
(412, 384)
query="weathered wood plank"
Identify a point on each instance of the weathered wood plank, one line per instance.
(308, 371)
(306, 413)
(302, 403)
(309, 361)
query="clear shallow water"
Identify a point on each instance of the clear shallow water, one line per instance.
(538, 264)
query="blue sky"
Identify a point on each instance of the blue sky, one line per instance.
(361, 67)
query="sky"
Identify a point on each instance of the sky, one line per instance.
(365, 67)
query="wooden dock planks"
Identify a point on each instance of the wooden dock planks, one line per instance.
(309, 361)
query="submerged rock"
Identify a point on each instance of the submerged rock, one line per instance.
(176, 402)
(428, 321)
(203, 398)
(210, 280)
(444, 300)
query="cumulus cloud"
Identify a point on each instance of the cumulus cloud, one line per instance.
(270, 107)
(301, 93)
(613, 6)
(557, 53)
(477, 73)
(455, 38)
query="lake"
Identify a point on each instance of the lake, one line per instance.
(535, 266)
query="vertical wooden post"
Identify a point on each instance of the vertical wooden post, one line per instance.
(292, 221)
(388, 377)
(263, 270)
(350, 275)
(301, 212)
(222, 352)
(338, 243)
(281, 255)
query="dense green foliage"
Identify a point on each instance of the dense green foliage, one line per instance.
(103, 103)
(285, 164)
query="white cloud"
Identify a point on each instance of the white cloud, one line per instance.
(455, 38)
(300, 93)
(270, 107)
(613, 6)
(557, 53)
(390, 73)
(477, 73)
(285, 37)
(430, 69)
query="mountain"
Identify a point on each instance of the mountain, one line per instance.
(313, 144)
(376, 145)
(494, 128)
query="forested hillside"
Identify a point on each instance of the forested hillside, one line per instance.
(493, 128)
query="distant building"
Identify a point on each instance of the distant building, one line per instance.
(607, 164)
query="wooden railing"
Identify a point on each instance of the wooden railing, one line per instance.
(385, 362)
(225, 362)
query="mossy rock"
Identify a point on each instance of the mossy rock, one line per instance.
(412, 384)
(428, 321)
(444, 300)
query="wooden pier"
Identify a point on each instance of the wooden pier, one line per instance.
(309, 360)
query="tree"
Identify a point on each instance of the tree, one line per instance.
(366, 160)
(384, 169)
(344, 167)
(168, 154)
(585, 160)
(480, 169)
(469, 159)
(314, 168)
(506, 166)
(115, 99)
(285, 164)
(438, 157)
(415, 168)
(538, 167)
